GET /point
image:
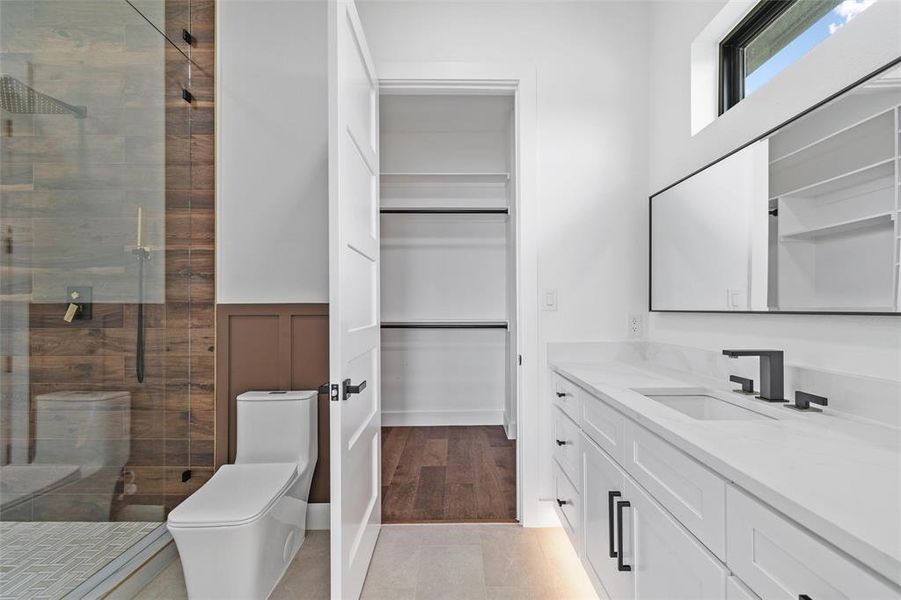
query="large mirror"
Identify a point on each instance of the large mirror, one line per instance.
(802, 220)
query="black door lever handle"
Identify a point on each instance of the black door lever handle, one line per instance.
(349, 390)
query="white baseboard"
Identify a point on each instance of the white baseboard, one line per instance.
(509, 428)
(412, 418)
(318, 516)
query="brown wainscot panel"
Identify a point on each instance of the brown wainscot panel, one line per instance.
(271, 347)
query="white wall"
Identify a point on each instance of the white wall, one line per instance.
(864, 345)
(591, 61)
(272, 135)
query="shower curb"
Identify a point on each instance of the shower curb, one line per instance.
(127, 574)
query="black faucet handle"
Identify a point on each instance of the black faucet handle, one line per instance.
(747, 385)
(803, 401)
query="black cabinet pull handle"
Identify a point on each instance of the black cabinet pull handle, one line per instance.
(620, 505)
(561, 442)
(562, 394)
(353, 389)
(804, 597)
(611, 525)
(560, 502)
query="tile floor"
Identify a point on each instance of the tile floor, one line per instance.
(49, 559)
(433, 562)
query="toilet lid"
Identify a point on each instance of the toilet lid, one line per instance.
(235, 495)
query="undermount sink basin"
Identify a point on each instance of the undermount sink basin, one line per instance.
(706, 408)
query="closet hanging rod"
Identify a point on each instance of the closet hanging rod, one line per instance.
(444, 211)
(444, 325)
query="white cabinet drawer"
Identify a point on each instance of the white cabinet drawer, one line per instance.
(692, 493)
(567, 440)
(568, 506)
(779, 560)
(604, 425)
(567, 396)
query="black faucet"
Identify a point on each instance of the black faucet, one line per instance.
(771, 372)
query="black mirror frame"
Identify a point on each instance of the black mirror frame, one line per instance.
(760, 137)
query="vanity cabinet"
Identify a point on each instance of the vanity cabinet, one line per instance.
(779, 560)
(650, 522)
(633, 546)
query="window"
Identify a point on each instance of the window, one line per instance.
(774, 35)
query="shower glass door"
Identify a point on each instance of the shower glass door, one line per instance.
(106, 280)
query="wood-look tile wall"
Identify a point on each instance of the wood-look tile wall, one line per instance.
(69, 204)
(272, 347)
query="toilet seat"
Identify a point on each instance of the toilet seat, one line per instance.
(235, 495)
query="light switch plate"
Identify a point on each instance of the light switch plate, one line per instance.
(549, 299)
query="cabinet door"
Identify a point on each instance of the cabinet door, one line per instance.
(736, 590)
(668, 562)
(602, 477)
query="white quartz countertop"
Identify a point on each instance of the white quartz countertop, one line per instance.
(839, 478)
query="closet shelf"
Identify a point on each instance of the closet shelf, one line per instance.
(427, 177)
(879, 170)
(451, 324)
(831, 135)
(879, 219)
(443, 210)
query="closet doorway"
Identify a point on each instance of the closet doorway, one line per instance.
(449, 371)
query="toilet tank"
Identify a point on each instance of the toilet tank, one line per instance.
(277, 426)
(89, 429)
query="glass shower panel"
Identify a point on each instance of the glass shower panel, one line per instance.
(95, 278)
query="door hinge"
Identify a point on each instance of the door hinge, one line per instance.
(331, 389)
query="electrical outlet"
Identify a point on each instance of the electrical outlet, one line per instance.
(636, 326)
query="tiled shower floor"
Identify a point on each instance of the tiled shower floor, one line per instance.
(50, 559)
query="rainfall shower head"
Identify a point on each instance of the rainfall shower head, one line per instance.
(18, 98)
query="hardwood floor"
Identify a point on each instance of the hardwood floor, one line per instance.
(448, 474)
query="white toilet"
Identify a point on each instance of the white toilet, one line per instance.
(239, 532)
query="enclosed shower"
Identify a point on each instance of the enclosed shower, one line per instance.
(106, 283)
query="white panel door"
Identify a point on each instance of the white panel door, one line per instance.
(355, 418)
(668, 562)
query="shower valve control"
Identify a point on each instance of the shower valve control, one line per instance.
(71, 312)
(79, 304)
